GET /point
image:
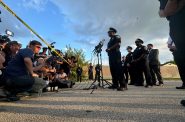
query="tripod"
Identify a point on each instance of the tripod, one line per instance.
(99, 76)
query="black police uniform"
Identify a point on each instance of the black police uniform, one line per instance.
(141, 66)
(90, 72)
(128, 61)
(115, 62)
(79, 74)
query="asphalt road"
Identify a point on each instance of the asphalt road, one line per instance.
(138, 104)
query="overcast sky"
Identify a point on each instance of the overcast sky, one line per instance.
(83, 23)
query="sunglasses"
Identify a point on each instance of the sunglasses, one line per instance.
(38, 47)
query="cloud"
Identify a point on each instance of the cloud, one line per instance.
(38, 5)
(87, 22)
(87, 42)
(11, 23)
(132, 18)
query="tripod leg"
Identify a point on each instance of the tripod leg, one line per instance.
(95, 87)
(91, 86)
(92, 91)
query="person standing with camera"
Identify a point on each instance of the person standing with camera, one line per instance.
(113, 50)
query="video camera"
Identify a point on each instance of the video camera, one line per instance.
(53, 53)
(54, 56)
(98, 48)
(3, 39)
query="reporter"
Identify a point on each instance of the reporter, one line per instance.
(10, 50)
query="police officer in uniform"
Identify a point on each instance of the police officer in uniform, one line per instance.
(79, 71)
(154, 64)
(113, 50)
(128, 63)
(140, 60)
(174, 11)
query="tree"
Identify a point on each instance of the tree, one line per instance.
(79, 54)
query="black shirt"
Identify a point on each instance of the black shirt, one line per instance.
(114, 40)
(129, 58)
(139, 51)
(79, 71)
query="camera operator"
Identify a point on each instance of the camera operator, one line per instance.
(113, 50)
(10, 50)
(3, 41)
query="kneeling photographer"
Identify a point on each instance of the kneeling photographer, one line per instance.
(19, 73)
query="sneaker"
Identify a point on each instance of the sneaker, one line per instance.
(56, 88)
(181, 87)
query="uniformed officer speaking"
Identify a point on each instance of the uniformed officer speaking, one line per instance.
(113, 50)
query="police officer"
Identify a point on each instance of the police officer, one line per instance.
(79, 71)
(140, 60)
(90, 71)
(129, 65)
(113, 50)
(174, 10)
(154, 64)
